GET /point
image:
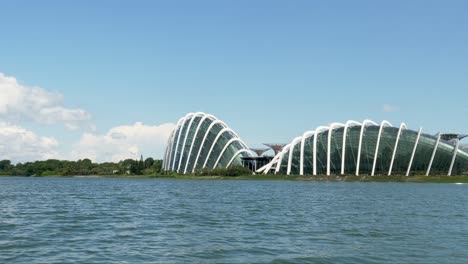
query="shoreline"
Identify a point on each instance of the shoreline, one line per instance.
(346, 178)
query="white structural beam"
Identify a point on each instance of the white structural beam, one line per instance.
(363, 127)
(237, 154)
(187, 132)
(330, 130)
(178, 139)
(433, 155)
(194, 138)
(232, 140)
(203, 141)
(293, 144)
(402, 125)
(220, 133)
(301, 158)
(348, 124)
(272, 162)
(453, 158)
(414, 152)
(382, 125)
(280, 159)
(314, 151)
(171, 143)
(174, 132)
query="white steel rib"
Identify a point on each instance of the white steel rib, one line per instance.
(204, 139)
(414, 151)
(173, 141)
(382, 125)
(330, 130)
(301, 159)
(171, 144)
(453, 158)
(194, 137)
(363, 127)
(273, 161)
(314, 154)
(345, 132)
(235, 155)
(226, 129)
(224, 149)
(280, 160)
(402, 125)
(433, 155)
(178, 139)
(293, 144)
(194, 116)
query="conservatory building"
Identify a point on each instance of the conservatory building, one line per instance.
(351, 148)
(202, 141)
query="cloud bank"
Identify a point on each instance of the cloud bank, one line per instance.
(124, 142)
(19, 102)
(20, 145)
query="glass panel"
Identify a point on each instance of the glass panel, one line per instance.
(177, 155)
(322, 145)
(369, 142)
(295, 162)
(423, 154)
(404, 151)
(207, 145)
(385, 152)
(228, 153)
(336, 150)
(188, 141)
(284, 163)
(351, 148)
(218, 147)
(197, 142)
(308, 145)
(461, 163)
(443, 158)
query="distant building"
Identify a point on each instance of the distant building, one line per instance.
(202, 141)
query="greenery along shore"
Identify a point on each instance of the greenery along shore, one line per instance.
(53, 167)
(150, 168)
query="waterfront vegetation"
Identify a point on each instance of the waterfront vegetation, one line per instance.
(53, 167)
(151, 168)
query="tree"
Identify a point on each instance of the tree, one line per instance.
(149, 162)
(157, 165)
(5, 165)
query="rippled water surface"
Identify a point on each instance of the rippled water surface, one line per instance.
(81, 220)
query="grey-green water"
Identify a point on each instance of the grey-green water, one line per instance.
(76, 220)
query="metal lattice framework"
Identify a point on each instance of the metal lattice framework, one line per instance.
(276, 147)
(369, 148)
(201, 140)
(259, 151)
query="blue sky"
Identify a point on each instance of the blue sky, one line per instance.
(270, 69)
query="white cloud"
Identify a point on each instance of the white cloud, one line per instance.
(19, 102)
(389, 108)
(19, 145)
(123, 142)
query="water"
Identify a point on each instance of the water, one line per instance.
(76, 220)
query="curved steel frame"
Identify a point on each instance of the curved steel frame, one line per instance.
(363, 128)
(382, 125)
(174, 151)
(402, 125)
(301, 158)
(345, 132)
(330, 130)
(293, 144)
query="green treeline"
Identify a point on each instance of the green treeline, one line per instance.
(53, 167)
